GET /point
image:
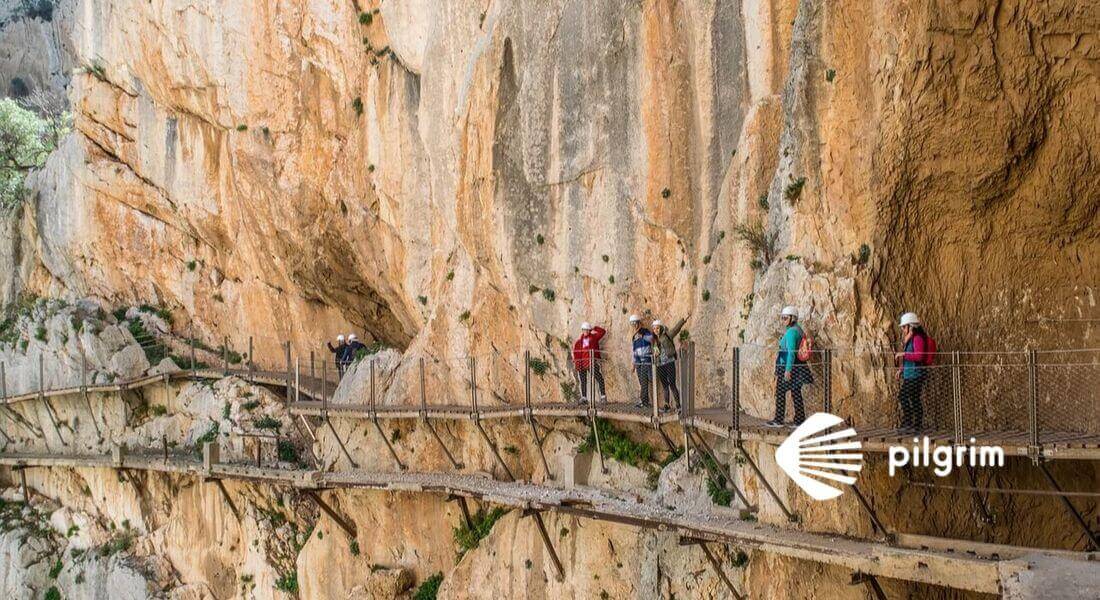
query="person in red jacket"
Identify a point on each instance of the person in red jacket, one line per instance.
(587, 358)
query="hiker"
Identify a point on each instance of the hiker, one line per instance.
(918, 351)
(666, 360)
(338, 352)
(354, 347)
(791, 372)
(642, 347)
(587, 358)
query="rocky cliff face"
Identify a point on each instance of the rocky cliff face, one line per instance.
(480, 176)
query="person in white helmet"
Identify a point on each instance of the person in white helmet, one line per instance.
(917, 353)
(338, 352)
(587, 358)
(642, 349)
(665, 342)
(790, 372)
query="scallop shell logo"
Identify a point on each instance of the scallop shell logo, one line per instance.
(807, 457)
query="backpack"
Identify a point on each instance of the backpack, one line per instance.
(805, 347)
(929, 351)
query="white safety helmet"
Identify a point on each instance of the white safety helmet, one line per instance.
(586, 326)
(657, 323)
(909, 318)
(789, 311)
(340, 338)
(635, 318)
(352, 337)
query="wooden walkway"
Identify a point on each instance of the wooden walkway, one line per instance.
(717, 421)
(952, 563)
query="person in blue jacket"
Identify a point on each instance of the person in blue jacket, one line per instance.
(790, 373)
(642, 349)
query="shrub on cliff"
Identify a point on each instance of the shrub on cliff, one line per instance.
(25, 142)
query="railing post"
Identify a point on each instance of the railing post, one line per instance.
(191, 343)
(225, 357)
(251, 363)
(41, 377)
(1035, 450)
(653, 399)
(312, 366)
(372, 400)
(3, 382)
(473, 386)
(83, 372)
(956, 395)
(423, 390)
(297, 380)
(324, 388)
(827, 376)
(527, 382)
(289, 381)
(735, 384)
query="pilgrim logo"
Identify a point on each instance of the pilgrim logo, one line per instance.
(807, 457)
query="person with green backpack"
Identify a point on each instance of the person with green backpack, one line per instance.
(791, 370)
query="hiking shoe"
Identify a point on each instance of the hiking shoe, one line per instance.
(582, 400)
(639, 404)
(603, 399)
(773, 423)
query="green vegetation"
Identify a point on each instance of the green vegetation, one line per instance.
(55, 570)
(450, 275)
(569, 391)
(531, 289)
(269, 423)
(864, 255)
(716, 487)
(159, 410)
(665, 193)
(210, 436)
(685, 335)
(354, 548)
(464, 316)
(357, 106)
(793, 257)
(365, 18)
(706, 295)
(191, 265)
(26, 139)
(617, 445)
(120, 542)
(52, 593)
(539, 239)
(611, 279)
(40, 333)
(759, 241)
(288, 582)
(739, 560)
(706, 260)
(794, 189)
(481, 523)
(429, 589)
(226, 408)
(539, 366)
(548, 294)
(242, 127)
(606, 258)
(830, 75)
(286, 451)
(422, 300)
(154, 351)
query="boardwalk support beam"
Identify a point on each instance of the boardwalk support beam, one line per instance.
(225, 496)
(872, 584)
(718, 476)
(714, 564)
(464, 507)
(377, 426)
(541, 526)
(428, 423)
(529, 414)
(876, 524)
(1092, 536)
(340, 520)
(767, 486)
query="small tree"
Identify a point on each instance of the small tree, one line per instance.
(24, 145)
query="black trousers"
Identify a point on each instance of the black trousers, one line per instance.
(666, 378)
(597, 373)
(782, 386)
(645, 380)
(909, 398)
